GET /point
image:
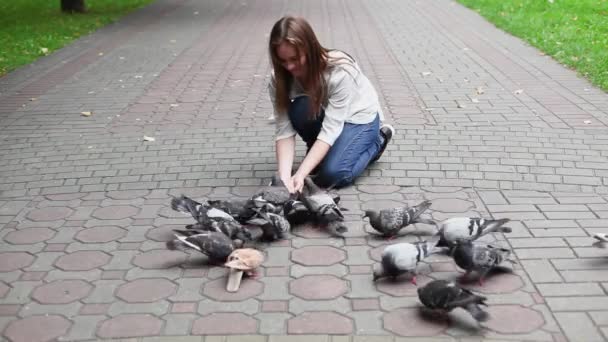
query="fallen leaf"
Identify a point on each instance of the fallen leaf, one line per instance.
(518, 91)
(138, 76)
(121, 57)
(480, 90)
(86, 113)
(426, 73)
(100, 54)
(196, 13)
(174, 105)
(461, 105)
(44, 50)
(33, 99)
(173, 41)
(587, 122)
(91, 92)
(147, 138)
(474, 100)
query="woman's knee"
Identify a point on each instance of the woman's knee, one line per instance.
(334, 177)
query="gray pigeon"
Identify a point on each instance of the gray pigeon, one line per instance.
(187, 205)
(274, 226)
(275, 193)
(389, 222)
(215, 245)
(468, 228)
(602, 240)
(401, 258)
(320, 203)
(240, 209)
(296, 212)
(480, 258)
(445, 296)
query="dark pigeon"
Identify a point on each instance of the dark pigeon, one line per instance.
(240, 209)
(217, 246)
(275, 194)
(389, 222)
(477, 257)
(401, 258)
(274, 226)
(445, 296)
(321, 203)
(468, 228)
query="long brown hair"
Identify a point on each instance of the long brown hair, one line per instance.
(297, 32)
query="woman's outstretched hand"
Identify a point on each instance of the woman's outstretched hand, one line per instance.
(288, 184)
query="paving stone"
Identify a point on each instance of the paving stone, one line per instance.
(410, 322)
(100, 234)
(104, 291)
(178, 324)
(158, 308)
(159, 259)
(83, 328)
(82, 261)
(11, 261)
(187, 307)
(315, 287)
(9, 309)
(402, 287)
(514, 319)
(116, 212)
(362, 286)
(3, 289)
(189, 290)
(578, 326)
(146, 290)
(94, 309)
(451, 205)
(31, 275)
(37, 328)
(130, 325)
(357, 255)
(320, 323)
(497, 283)
(208, 306)
(299, 305)
(368, 322)
(272, 323)
(337, 270)
(44, 261)
(275, 306)
(49, 214)
(216, 290)
(275, 288)
(61, 291)
(317, 255)
(225, 324)
(574, 289)
(29, 236)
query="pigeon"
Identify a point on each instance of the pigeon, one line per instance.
(401, 258)
(389, 222)
(232, 229)
(296, 212)
(468, 228)
(274, 226)
(211, 219)
(602, 240)
(320, 203)
(275, 193)
(477, 257)
(240, 209)
(445, 296)
(217, 246)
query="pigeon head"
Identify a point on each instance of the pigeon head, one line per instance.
(369, 213)
(244, 235)
(378, 272)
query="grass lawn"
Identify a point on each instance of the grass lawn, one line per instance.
(574, 32)
(32, 28)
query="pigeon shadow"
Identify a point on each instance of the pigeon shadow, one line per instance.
(600, 244)
(418, 233)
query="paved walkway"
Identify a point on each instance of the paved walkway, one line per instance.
(486, 126)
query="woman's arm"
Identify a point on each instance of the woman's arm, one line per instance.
(286, 150)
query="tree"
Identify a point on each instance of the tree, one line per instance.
(73, 6)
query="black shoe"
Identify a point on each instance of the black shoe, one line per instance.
(386, 131)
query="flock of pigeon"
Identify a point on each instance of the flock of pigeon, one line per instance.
(223, 227)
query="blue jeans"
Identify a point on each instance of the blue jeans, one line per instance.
(350, 154)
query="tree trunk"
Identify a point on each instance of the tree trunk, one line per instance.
(73, 6)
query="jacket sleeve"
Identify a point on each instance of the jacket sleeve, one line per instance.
(284, 129)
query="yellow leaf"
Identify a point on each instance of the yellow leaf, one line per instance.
(86, 113)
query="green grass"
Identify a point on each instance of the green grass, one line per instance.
(28, 27)
(574, 32)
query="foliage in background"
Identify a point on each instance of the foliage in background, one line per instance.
(574, 32)
(33, 28)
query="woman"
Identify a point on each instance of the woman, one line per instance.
(322, 96)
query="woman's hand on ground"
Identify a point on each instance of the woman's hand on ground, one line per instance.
(297, 182)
